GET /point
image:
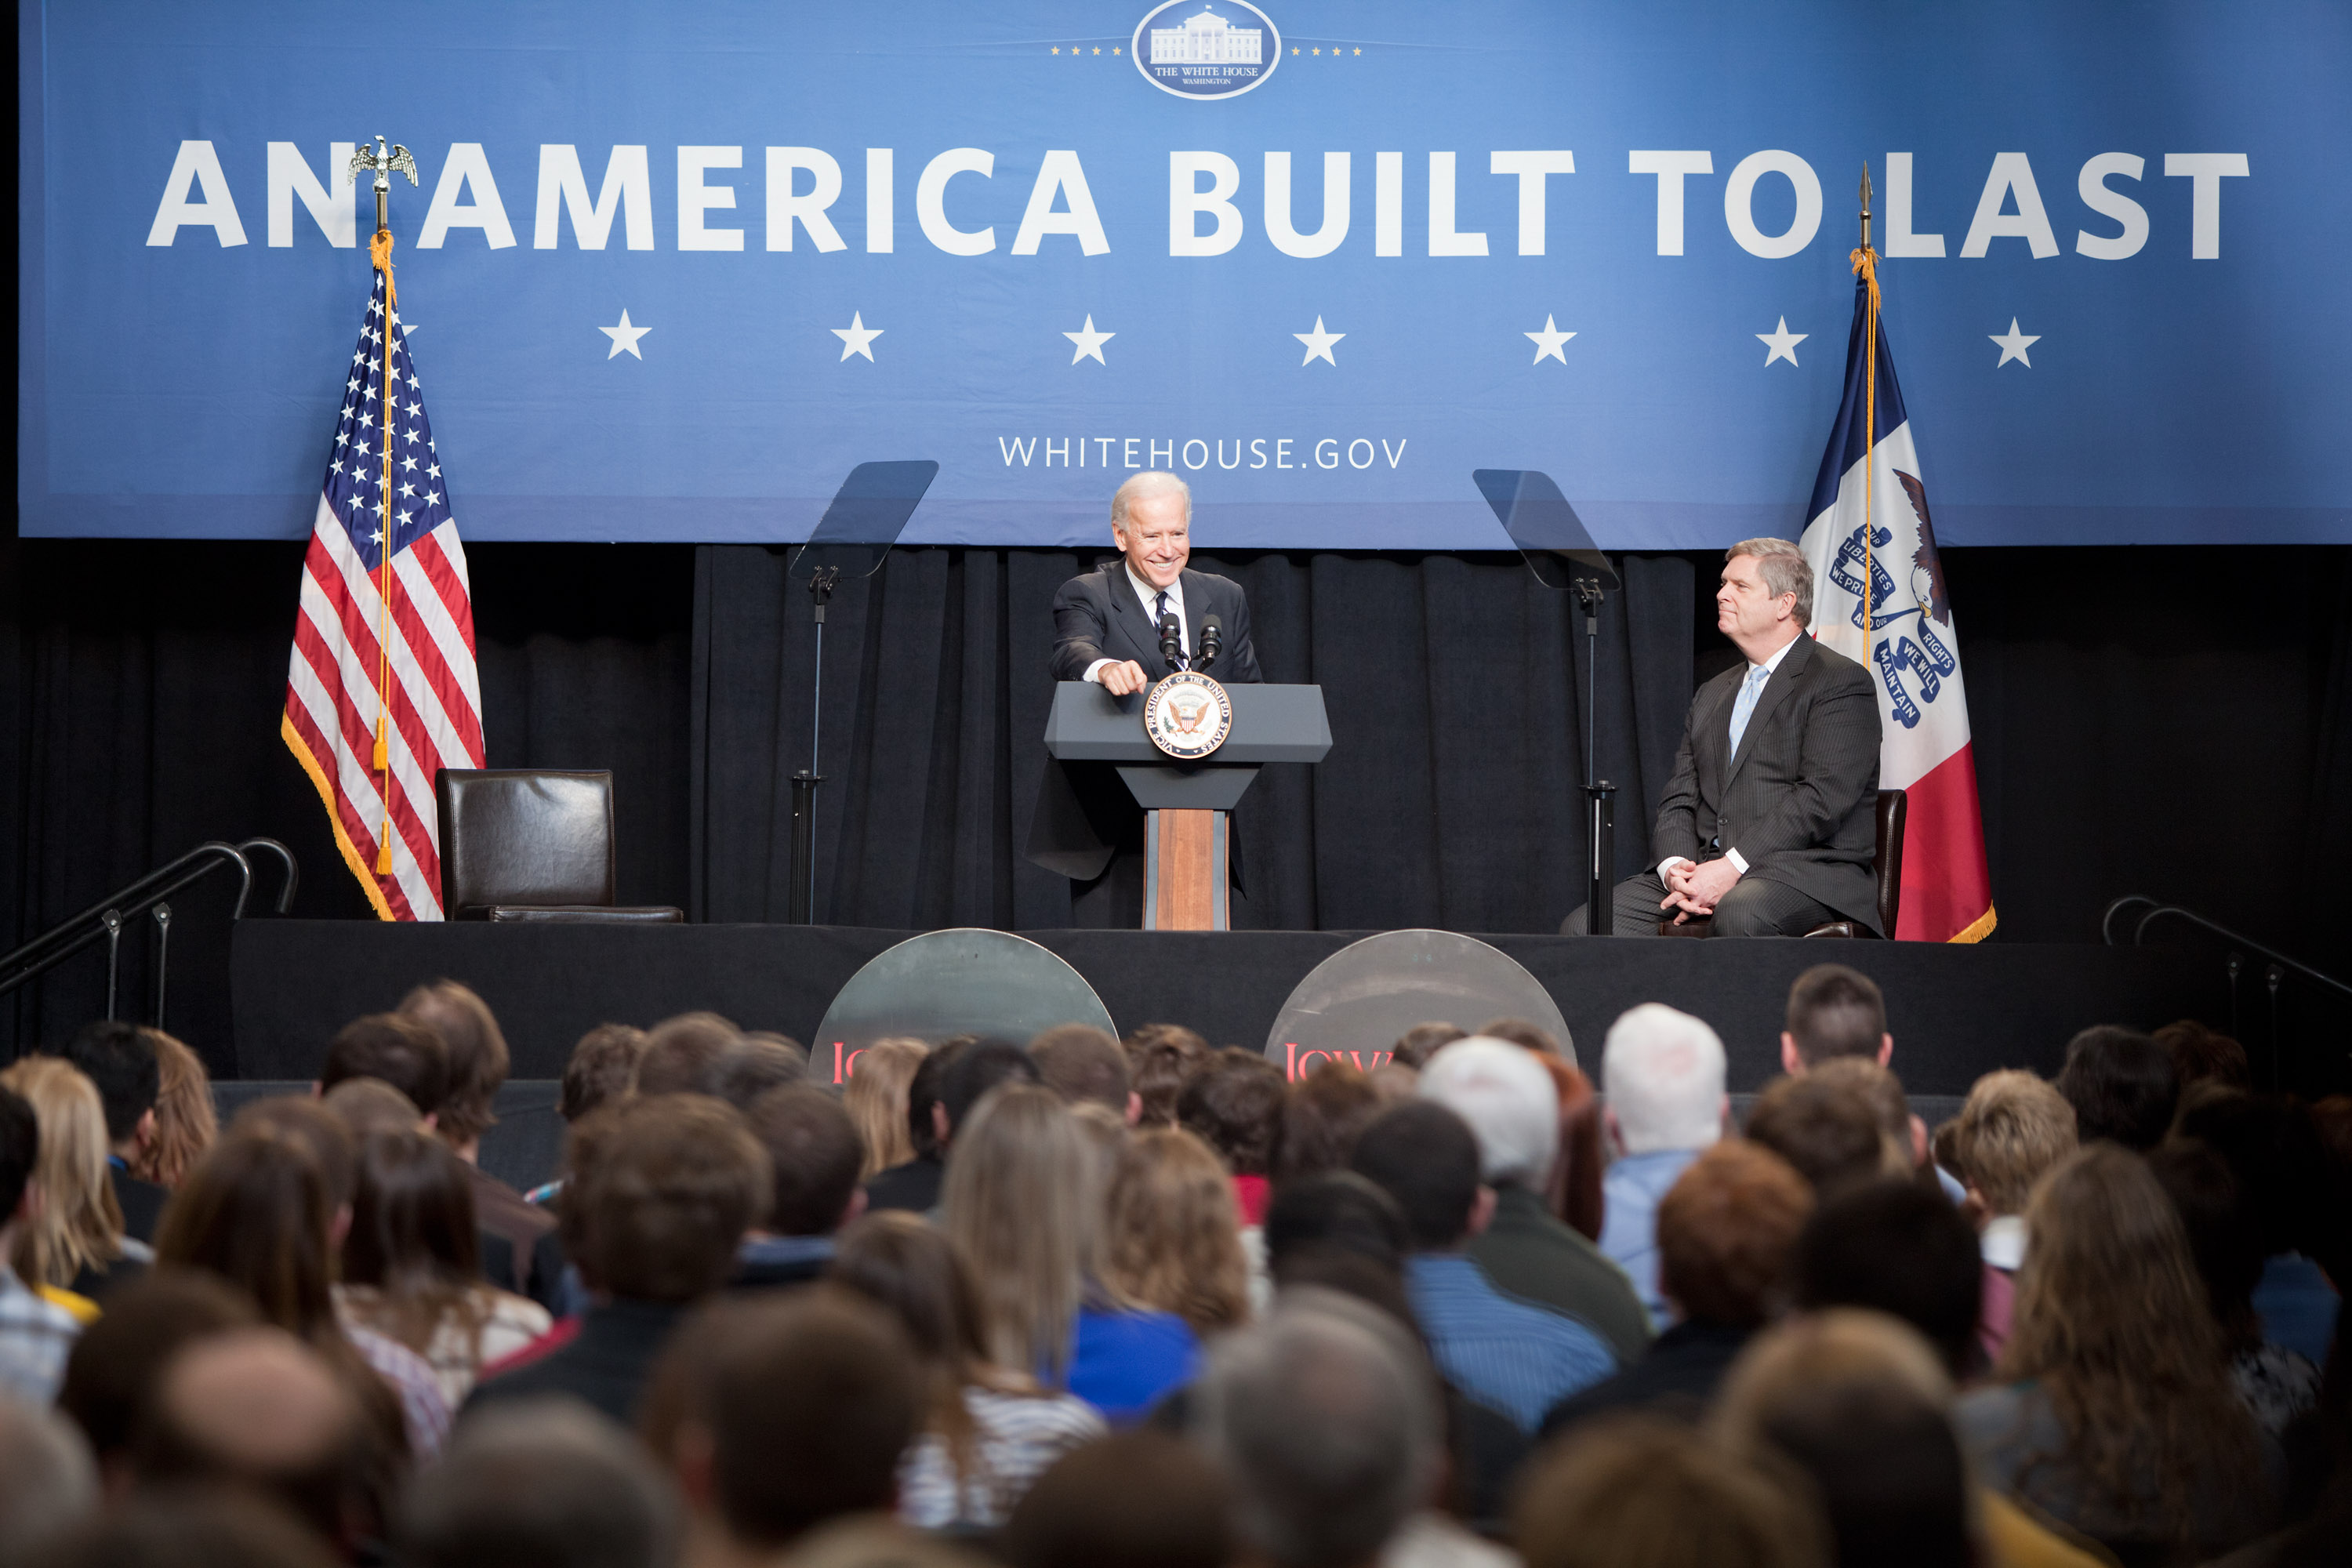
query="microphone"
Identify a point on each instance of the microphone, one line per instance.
(1213, 641)
(1171, 640)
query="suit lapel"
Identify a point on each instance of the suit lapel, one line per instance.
(1714, 741)
(1196, 604)
(1126, 615)
(1775, 691)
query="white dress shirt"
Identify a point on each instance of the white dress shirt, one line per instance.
(1738, 861)
(1150, 596)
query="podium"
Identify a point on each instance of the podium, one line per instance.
(1185, 805)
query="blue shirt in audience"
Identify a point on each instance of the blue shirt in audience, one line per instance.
(1508, 1355)
(1123, 1363)
(1630, 1194)
(2298, 1306)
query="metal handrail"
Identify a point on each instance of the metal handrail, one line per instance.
(106, 918)
(2157, 910)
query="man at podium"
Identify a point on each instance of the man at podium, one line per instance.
(1108, 628)
(1107, 623)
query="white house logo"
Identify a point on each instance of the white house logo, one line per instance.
(1206, 49)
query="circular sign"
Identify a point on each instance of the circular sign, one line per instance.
(1356, 1003)
(943, 982)
(1188, 715)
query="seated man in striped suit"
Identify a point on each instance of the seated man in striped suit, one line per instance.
(1769, 826)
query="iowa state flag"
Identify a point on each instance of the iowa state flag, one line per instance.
(1879, 597)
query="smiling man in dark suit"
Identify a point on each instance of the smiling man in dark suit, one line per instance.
(1769, 826)
(1087, 827)
(1107, 622)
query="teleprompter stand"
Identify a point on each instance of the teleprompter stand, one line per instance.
(867, 514)
(1561, 554)
(1186, 851)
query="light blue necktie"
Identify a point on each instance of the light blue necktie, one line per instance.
(1743, 707)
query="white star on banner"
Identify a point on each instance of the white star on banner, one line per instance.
(1547, 342)
(625, 338)
(857, 338)
(1318, 344)
(1782, 342)
(2013, 345)
(1089, 344)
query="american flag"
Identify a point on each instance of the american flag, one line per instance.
(371, 644)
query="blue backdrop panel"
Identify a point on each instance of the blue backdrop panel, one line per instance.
(675, 271)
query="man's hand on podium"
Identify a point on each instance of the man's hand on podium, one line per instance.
(1122, 679)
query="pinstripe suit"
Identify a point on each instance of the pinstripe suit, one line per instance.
(1799, 801)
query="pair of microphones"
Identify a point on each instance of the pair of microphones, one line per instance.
(1171, 640)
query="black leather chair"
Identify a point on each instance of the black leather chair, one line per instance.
(1892, 811)
(530, 844)
(1888, 869)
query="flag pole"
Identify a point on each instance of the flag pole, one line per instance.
(383, 162)
(1865, 264)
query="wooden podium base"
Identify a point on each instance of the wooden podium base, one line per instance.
(1185, 877)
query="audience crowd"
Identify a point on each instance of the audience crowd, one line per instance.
(1081, 1302)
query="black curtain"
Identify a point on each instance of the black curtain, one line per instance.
(1456, 685)
(141, 685)
(2174, 721)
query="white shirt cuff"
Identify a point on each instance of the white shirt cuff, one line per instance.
(1669, 863)
(1738, 861)
(1094, 671)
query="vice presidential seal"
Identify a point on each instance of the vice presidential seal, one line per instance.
(1188, 715)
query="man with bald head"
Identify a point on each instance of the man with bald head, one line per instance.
(260, 1409)
(1108, 629)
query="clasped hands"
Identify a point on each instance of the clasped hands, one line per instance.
(1695, 890)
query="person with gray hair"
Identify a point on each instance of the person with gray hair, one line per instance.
(1663, 1072)
(546, 1481)
(1328, 1431)
(1108, 629)
(1508, 1100)
(1769, 825)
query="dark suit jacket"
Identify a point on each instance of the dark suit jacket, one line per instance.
(142, 1204)
(1529, 1254)
(1097, 615)
(1084, 816)
(1800, 801)
(606, 1362)
(519, 1252)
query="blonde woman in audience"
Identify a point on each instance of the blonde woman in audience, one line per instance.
(185, 1120)
(876, 1099)
(412, 1264)
(2015, 1128)
(989, 1429)
(1023, 1201)
(2114, 1413)
(1171, 1235)
(74, 1248)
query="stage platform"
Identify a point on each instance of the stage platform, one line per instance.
(1956, 1012)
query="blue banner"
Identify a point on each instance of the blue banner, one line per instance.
(671, 272)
